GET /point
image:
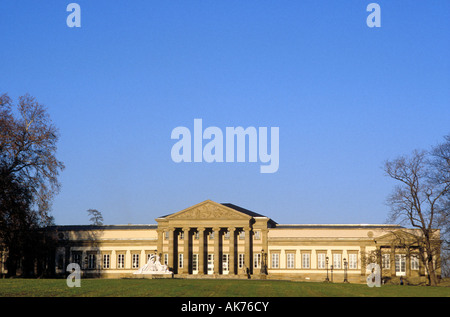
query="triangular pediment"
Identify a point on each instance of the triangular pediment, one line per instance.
(208, 210)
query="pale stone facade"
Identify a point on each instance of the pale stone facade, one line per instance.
(212, 240)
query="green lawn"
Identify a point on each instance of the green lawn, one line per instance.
(206, 288)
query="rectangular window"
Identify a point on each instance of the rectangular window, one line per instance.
(92, 261)
(257, 260)
(352, 261)
(135, 262)
(180, 260)
(257, 235)
(225, 262)
(386, 261)
(195, 262)
(290, 260)
(106, 261)
(306, 257)
(210, 263)
(321, 260)
(400, 264)
(76, 258)
(414, 262)
(120, 261)
(242, 235)
(166, 259)
(337, 257)
(275, 260)
(241, 260)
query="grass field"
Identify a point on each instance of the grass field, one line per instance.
(206, 288)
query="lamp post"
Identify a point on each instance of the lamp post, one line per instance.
(326, 261)
(345, 271)
(331, 267)
(263, 263)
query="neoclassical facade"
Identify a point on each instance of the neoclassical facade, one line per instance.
(212, 240)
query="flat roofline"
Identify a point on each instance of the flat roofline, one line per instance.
(103, 227)
(336, 226)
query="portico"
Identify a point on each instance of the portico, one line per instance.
(214, 239)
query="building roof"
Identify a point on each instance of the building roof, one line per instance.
(103, 227)
(338, 226)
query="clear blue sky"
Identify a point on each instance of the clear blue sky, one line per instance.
(346, 97)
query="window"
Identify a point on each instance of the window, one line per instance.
(106, 261)
(135, 261)
(257, 235)
(166, 235)
(290, 260)
(76, 258)
(195, 262)
(210, 263)
(414, 262)
(275, 260)
(353, 261)
(120, 261)
(306, 260)
(181, 235)
(400, 264)
(196, 235)
(180, 260)
(225, 262)
(227, 235)
(337, 260)
(241, 260)
(166, 259)
(386, 261)
(257, 260)
(92, 261)
(321, 260)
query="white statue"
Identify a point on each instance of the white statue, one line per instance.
(153, 266)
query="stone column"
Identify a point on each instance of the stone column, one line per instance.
(171, 249)
(201, 250)
(408, 261)
(232, 268)
(265, 247)
(363, 262)
(247, 248)
(216, 250)
(186, 251)
(160, 242)
(392, 260)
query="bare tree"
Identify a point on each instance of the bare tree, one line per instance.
(27, 150)
(441, 163)
(96, 217)
(420, 200)
(28, 176)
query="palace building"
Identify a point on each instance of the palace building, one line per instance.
(213, 240)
